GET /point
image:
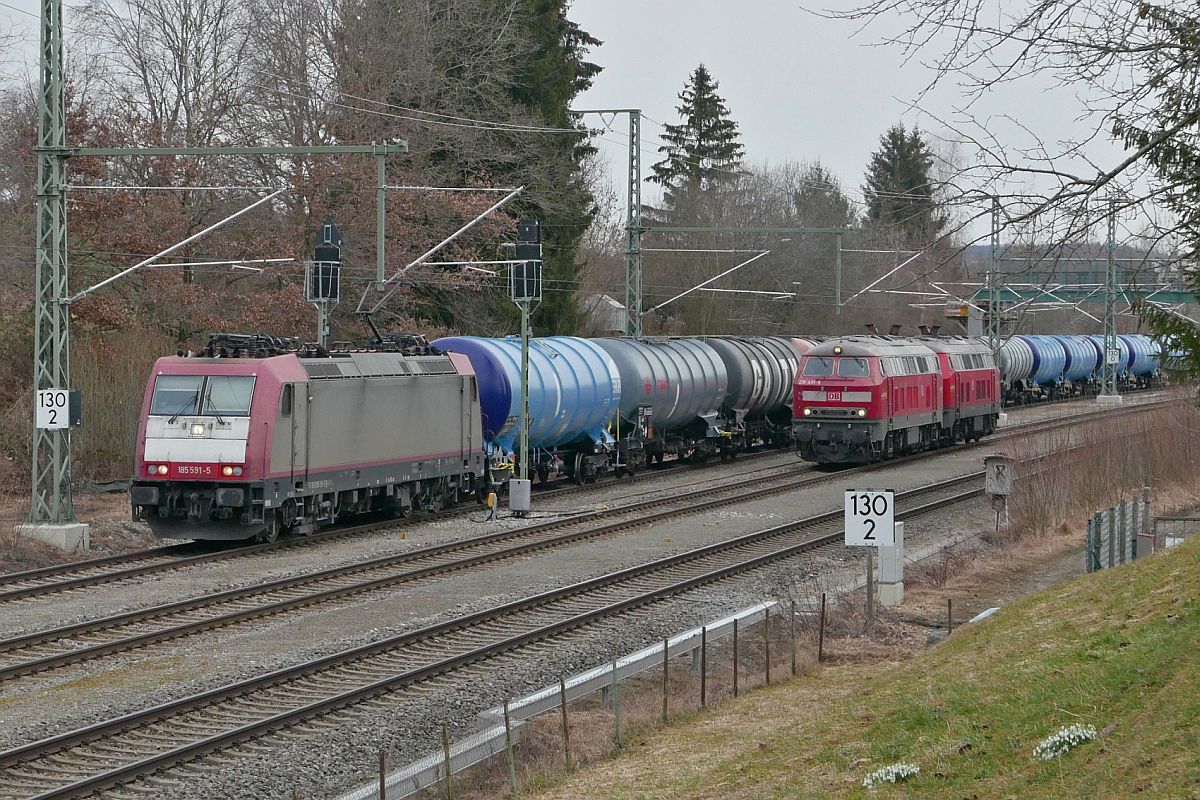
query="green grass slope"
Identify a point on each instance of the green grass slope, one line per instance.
(1119, 650)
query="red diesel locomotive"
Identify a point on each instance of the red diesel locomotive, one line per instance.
(864, 398)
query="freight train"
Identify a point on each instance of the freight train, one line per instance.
(255, 436)
(866, 398)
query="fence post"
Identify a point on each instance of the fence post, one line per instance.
(821, 631)
(767, 644)
(870, 623)
(1087, 548)
(508, 749)
(704, 666)
(949, 615)
(446, 754)
(792, 637)
(616, 690)
(735, 657)
(562, 699)
(1098, 538)
(666, 656)
(383, 775)
(1146, 509)
(1112, 538)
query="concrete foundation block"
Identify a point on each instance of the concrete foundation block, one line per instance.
(1108, 400)
(891, 559)
(1001, 419)
(72, 537)
(891, 594)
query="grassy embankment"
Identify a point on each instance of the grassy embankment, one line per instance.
(1119, 650)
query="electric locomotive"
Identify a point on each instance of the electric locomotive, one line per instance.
(258, 435)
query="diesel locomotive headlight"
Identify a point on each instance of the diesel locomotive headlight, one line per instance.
(227, 471)
(808, 412)
(197, 430)
(162, 469)
(862, 412)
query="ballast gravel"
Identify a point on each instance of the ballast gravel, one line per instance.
(342, 755)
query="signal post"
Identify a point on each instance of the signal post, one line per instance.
(525, 289)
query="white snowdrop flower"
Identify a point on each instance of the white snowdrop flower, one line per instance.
(893, 773)
(1063, 740)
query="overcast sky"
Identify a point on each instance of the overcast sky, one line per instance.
(800, 87)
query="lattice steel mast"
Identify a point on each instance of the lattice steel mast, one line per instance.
(51, 501)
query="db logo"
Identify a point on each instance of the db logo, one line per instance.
(835, 397)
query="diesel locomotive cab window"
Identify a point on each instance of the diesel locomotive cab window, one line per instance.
(819, 367)
(228, 396)
(853, 368)
(176, 394)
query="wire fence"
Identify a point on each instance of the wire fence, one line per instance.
(585, 717)
(1119, 534)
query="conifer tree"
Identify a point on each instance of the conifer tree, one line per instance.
(899, 187)
(702, 155)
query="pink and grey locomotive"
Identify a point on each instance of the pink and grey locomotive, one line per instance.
(255, 436)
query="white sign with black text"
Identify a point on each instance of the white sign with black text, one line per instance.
(870, 517)
(53, 409)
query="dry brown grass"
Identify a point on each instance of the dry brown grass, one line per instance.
(106, 513)
(1085, 468)
(540, 756)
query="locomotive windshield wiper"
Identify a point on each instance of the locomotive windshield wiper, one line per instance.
(190, 403)
(208, 402)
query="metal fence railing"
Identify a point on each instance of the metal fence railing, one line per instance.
(1119, 534)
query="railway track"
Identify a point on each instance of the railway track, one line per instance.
(129, 566)
(57, 647)
(116, 752)
(136, 564)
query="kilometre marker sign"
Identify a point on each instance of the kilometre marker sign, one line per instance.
(52, 409)
(870, 517)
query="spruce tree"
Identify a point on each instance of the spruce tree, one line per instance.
(899, 187)
(551, 74)
(702, 155)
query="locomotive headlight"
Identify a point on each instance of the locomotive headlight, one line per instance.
(151, 469)
(237, 472)
(862, 412)
(197, 430)
(162, 469)
(808, 412)
(227, 471)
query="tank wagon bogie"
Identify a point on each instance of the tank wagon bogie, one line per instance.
(238, 443)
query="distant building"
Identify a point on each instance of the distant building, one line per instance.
(605, 315)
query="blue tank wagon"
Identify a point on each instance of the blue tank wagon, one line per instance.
(574, 392)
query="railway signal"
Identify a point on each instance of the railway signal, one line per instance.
(323, 283)
(525, 289)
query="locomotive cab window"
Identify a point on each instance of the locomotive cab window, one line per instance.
(818, 367)
(228, 396)
(853, 368)
(285, 401)
(176, 394)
